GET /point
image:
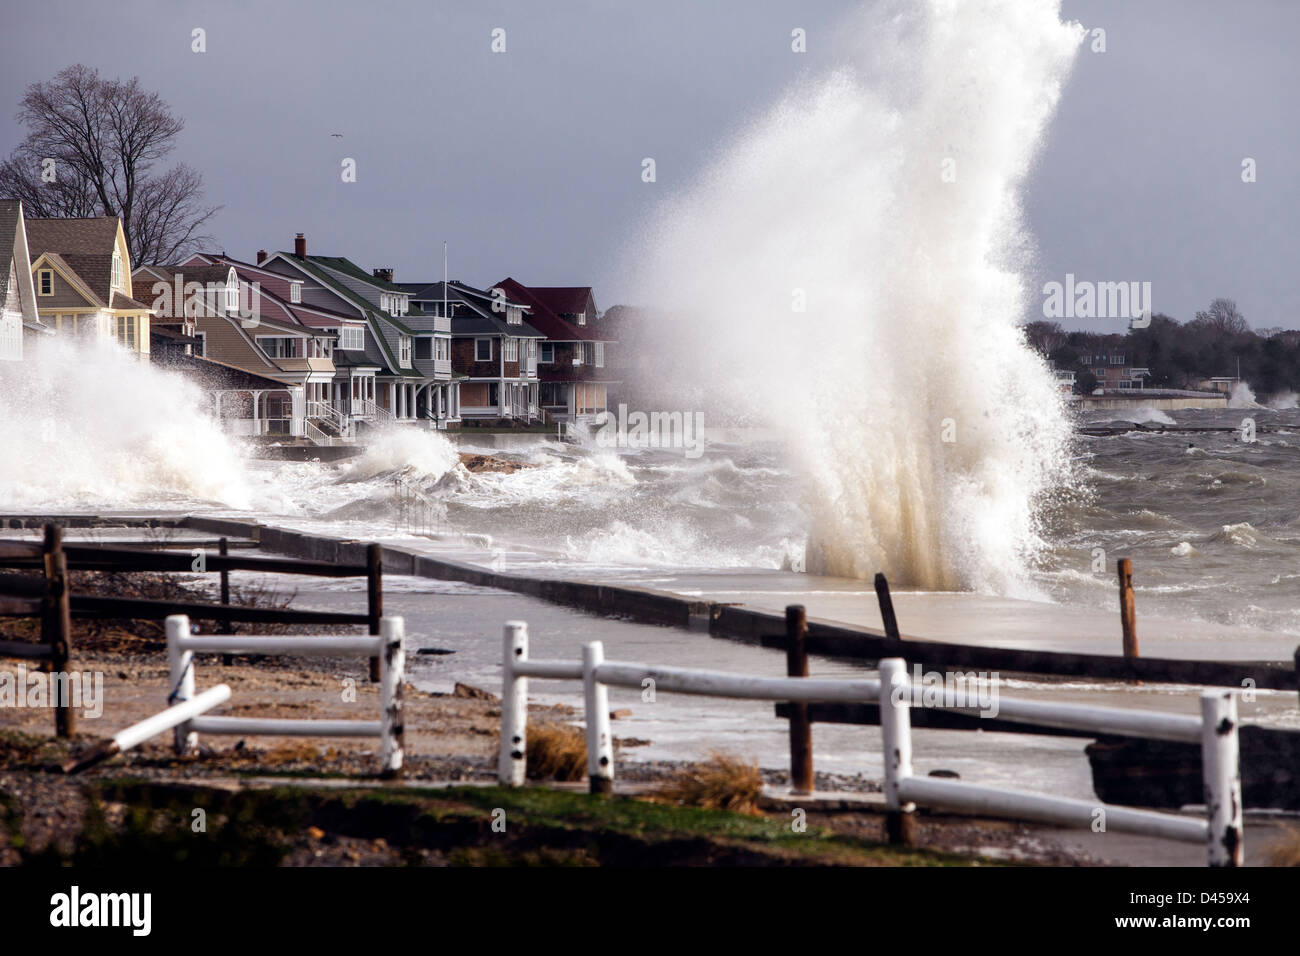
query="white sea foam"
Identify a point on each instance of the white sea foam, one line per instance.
(911, 289)
(89, 425)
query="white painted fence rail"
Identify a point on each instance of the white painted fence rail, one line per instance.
(387, 645)
(1215, 730)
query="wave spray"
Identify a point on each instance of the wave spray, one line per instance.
(850, 271)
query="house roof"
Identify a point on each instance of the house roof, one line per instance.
(564, 300)
(347, 266)
(480, 319)
(215, 375)
(86, 247)
(381, 344)
(14, 255)
(543, 318)
(125, 303)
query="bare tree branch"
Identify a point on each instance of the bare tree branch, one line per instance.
(107, 137)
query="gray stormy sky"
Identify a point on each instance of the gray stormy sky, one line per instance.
(528, 163)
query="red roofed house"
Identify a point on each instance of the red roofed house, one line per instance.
(571, 362)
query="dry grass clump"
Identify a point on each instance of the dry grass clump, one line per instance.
(725, 782)
(556, 752)
(1286, 852)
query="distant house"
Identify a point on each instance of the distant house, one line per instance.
(231, 322)
(492, 348)
(1064, 380)
(81, 269)
(1110, 366)
(1220, 383)
(18, 313)
(573, 380)
(386, 380)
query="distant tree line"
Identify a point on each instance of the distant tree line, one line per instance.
(1180, 355)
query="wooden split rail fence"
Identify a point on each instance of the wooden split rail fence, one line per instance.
(1215, 729)
(52, 599)
(186, 715)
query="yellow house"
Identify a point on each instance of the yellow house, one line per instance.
(81, 269)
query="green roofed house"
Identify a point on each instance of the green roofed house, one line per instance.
(397, 368)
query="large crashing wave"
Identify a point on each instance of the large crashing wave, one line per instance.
(850, 269)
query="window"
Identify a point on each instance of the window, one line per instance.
(482, 350)
(46, 281)
(295, 292)
(548, 353)
(322, 348)
(404, 350)
(424, 348)
(579, 353)
(117, 271)
(510, 351)
(232, 296)
(599, 349)
(352, 338)
(278, 346)
(201, 346)
(514, 315)
(1117, 360)
(582, 318)
(442, 348)
(126, 331)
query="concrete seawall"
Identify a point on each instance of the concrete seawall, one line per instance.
(738, 623)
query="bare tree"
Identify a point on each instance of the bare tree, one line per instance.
(105, 138)
(1222, 319)
(1045, 337)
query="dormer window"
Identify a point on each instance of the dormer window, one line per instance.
(404, 351)
(352, 338)
(232, 297)
(295, 292)
(46, 282)
(582, 318)
(116, 280)
(514, 316)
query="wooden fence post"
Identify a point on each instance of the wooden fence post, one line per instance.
(56, 626)
(512, 763)
(180, 675)
(796, 665)
(600, 745)
(1221, 769)
(887, 609)
(896, 736)
(375, 595)
(223, 548)
(1127, 610)
(390, 690)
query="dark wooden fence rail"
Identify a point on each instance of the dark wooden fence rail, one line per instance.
(51, 599)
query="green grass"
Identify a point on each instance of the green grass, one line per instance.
(542, 828)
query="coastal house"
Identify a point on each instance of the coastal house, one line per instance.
(388, 382)
(18, 314)
(1111, 368)
(234, 325)
(573, 380)
(491, 346)
(81, 269)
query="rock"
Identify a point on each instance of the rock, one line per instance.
(478, 463)
(315, 833)
(950, 774)
(434, 650)
(473, 693)
(621, 712)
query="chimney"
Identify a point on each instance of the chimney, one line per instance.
(261, 256)
(300, 246)
(385, 274)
